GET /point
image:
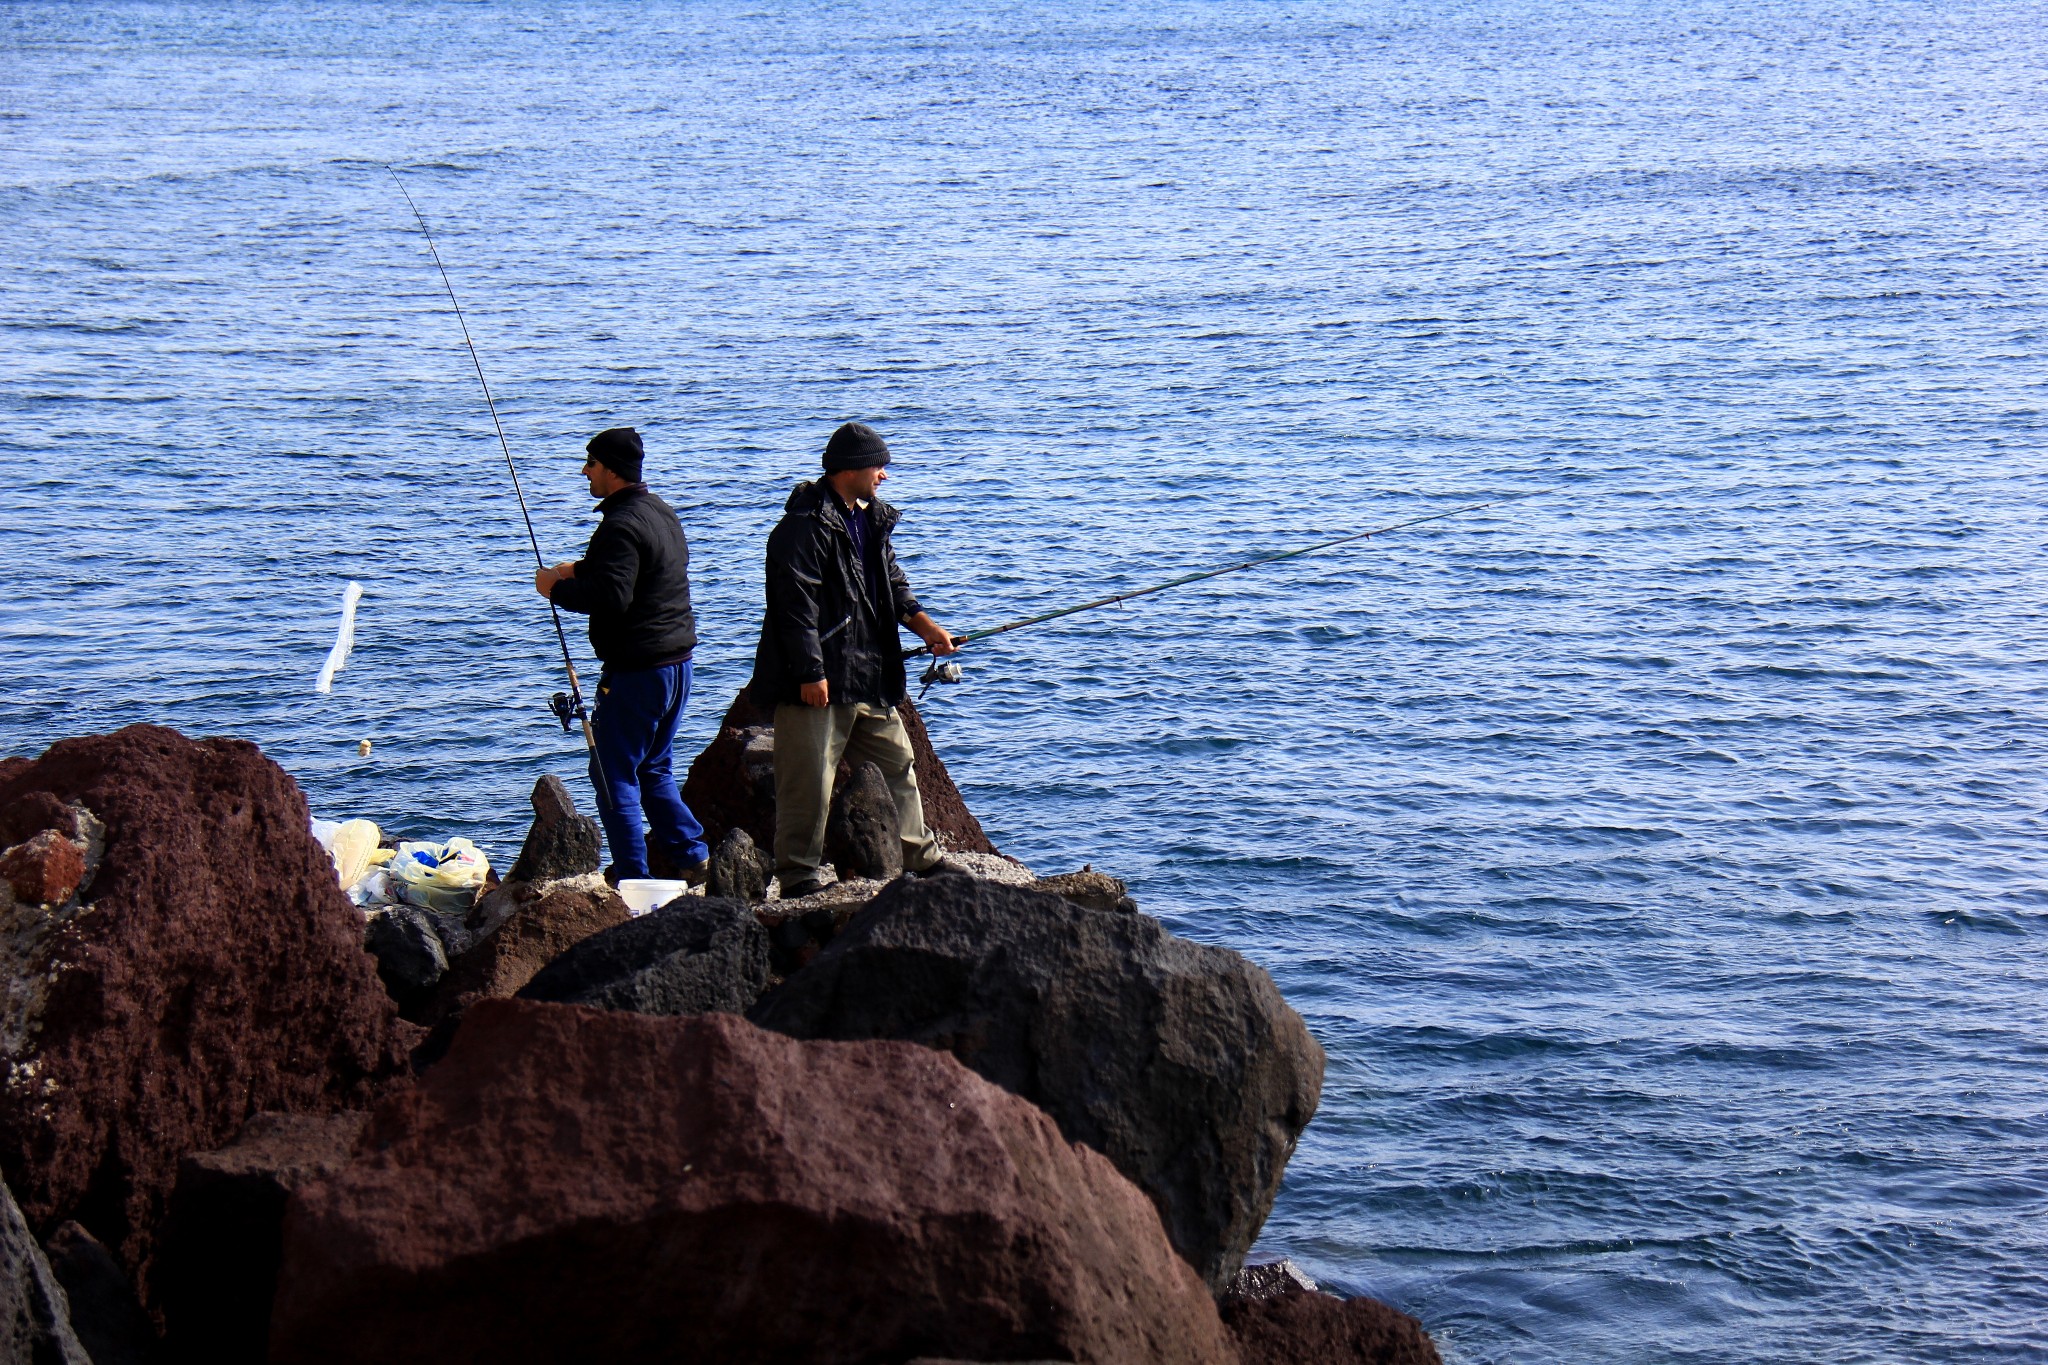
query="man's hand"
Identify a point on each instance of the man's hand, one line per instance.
(818, 693)
(544, 580)
(933, 634)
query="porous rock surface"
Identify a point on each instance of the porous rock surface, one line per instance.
(35, 1318)
(692, 956)
(730, 785)
(1179, 1061)
(739, 870)
(863, 836)
(573, 1184)
(225, 1233)
(211, 968)
(1303, 1327)
(521, 927)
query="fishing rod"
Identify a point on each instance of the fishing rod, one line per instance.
(566, 707)
(943, 671)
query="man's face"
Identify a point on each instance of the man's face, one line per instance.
(601, 479)
(860, 484)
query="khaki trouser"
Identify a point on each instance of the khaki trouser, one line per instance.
(809, 742)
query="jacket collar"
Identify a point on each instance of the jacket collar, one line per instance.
(817, 498)
(622, 497)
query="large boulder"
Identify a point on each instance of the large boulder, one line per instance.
(1178, 1061)
(208, 967)
(224, 1236)
(692, 956)
(573, 1184)
(1304, 1327)
(35, 1317)
(731, 784)
(520, 927)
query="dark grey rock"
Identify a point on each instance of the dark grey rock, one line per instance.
(863, 836)
(1270, 1280)
(1178, 1061)
(456, 938)
(739, 870)
(757, 760)
(224, 1234)
(695, 955)
(407, 945)
(35, 1317)
(105, 1313)
(560, 842)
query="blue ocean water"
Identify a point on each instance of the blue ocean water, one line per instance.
(1659, 857)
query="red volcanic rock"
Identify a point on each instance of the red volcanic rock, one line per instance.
(44, 870)
(222, 1240)
(728, 788)
(1303, 1327)
(528, 927)
(572, 1184)
(212, 969)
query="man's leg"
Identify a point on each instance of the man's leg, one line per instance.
(629, 707)
(681, 836)
(879, 738)
(808, 742)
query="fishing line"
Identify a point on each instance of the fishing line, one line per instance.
(946, 672)
(565, 708)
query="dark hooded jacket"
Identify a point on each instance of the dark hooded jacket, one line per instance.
(829, 616)
(634, 583)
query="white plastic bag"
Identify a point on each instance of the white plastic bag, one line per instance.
(439, 876)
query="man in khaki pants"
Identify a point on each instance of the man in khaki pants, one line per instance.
(830, 661)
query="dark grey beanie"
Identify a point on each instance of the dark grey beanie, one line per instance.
(617, 449)
(855, 446)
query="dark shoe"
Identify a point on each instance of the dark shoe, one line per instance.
(944, 867)
(796, 891)
(695, 874)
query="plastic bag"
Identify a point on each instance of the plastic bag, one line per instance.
(353, 846)
(354, 849)
(439, 876)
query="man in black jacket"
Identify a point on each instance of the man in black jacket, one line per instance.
(829, 659)
(634, 584)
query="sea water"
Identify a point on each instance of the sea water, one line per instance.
(1659, 857)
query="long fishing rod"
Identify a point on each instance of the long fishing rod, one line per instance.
(565, 708)
(941, 672)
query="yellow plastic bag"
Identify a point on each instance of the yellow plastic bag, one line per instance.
(353, 850)
(439, 876)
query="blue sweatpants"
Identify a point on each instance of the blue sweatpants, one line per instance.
(635, 720)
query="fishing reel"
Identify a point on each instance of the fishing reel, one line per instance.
(941, 671)
(566, 710)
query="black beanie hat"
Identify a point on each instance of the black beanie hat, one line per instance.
(855, 446)
(617, 449)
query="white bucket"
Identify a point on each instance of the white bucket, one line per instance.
(642, 894)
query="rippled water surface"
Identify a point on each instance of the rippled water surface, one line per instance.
(1659, 857)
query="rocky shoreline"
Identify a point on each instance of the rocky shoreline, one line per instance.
(983, 1116)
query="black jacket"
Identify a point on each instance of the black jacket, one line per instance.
(824, 619)
(634, 583)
